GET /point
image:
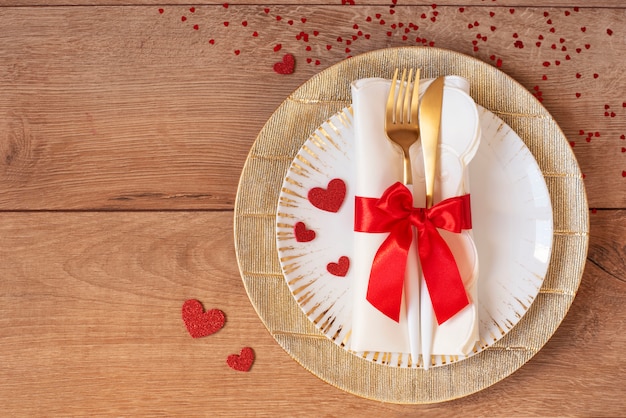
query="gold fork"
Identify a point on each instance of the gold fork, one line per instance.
(401, 124)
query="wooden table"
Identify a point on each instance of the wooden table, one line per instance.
(124, 126)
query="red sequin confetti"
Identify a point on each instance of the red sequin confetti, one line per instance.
(241, 362)
(200, 323)
(286, 66)
(277, 47)
(339, 268)
(302, 233)
(331, 198)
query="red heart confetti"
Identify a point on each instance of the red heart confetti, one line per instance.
(200, 323)
(303, 234)
(340, 268)
(331, 198)
(241, 362)
(161, 11)
(286, 66)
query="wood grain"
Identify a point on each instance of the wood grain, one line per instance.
(473, 3)
(123, 131)
(123, 108)
(90, 325)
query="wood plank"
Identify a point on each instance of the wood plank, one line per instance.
(90, 325)
(346, 3)
(126, 108)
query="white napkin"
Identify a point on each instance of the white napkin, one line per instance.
(379, 165)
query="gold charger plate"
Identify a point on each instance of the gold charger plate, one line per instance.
(255, 227)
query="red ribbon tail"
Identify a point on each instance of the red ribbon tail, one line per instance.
(386, 282)
(444, 282)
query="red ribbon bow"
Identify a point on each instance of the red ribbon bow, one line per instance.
(393, 212)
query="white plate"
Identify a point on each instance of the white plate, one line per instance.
(512, 226)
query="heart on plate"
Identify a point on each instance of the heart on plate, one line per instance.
(329, 199)
(302, 233)
(340, 268)
(286, 66)
(200, 323)
(242, 361)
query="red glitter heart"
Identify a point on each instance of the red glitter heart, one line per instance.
(331, 198)
(286, 66)
(340, 268)
(241, 362)
(302, 233)
(200, 323)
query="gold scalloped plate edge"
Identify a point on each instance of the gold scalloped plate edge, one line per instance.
(254, 229)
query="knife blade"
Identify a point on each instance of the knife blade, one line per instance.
(430, 122)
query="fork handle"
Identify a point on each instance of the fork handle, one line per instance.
(408, 176)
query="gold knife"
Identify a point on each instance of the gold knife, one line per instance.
(429, 122)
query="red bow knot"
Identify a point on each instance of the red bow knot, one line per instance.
(393, 212)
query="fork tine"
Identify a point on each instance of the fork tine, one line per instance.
(391, 100)
(406, 116)
(399, 99)
(415, 98)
